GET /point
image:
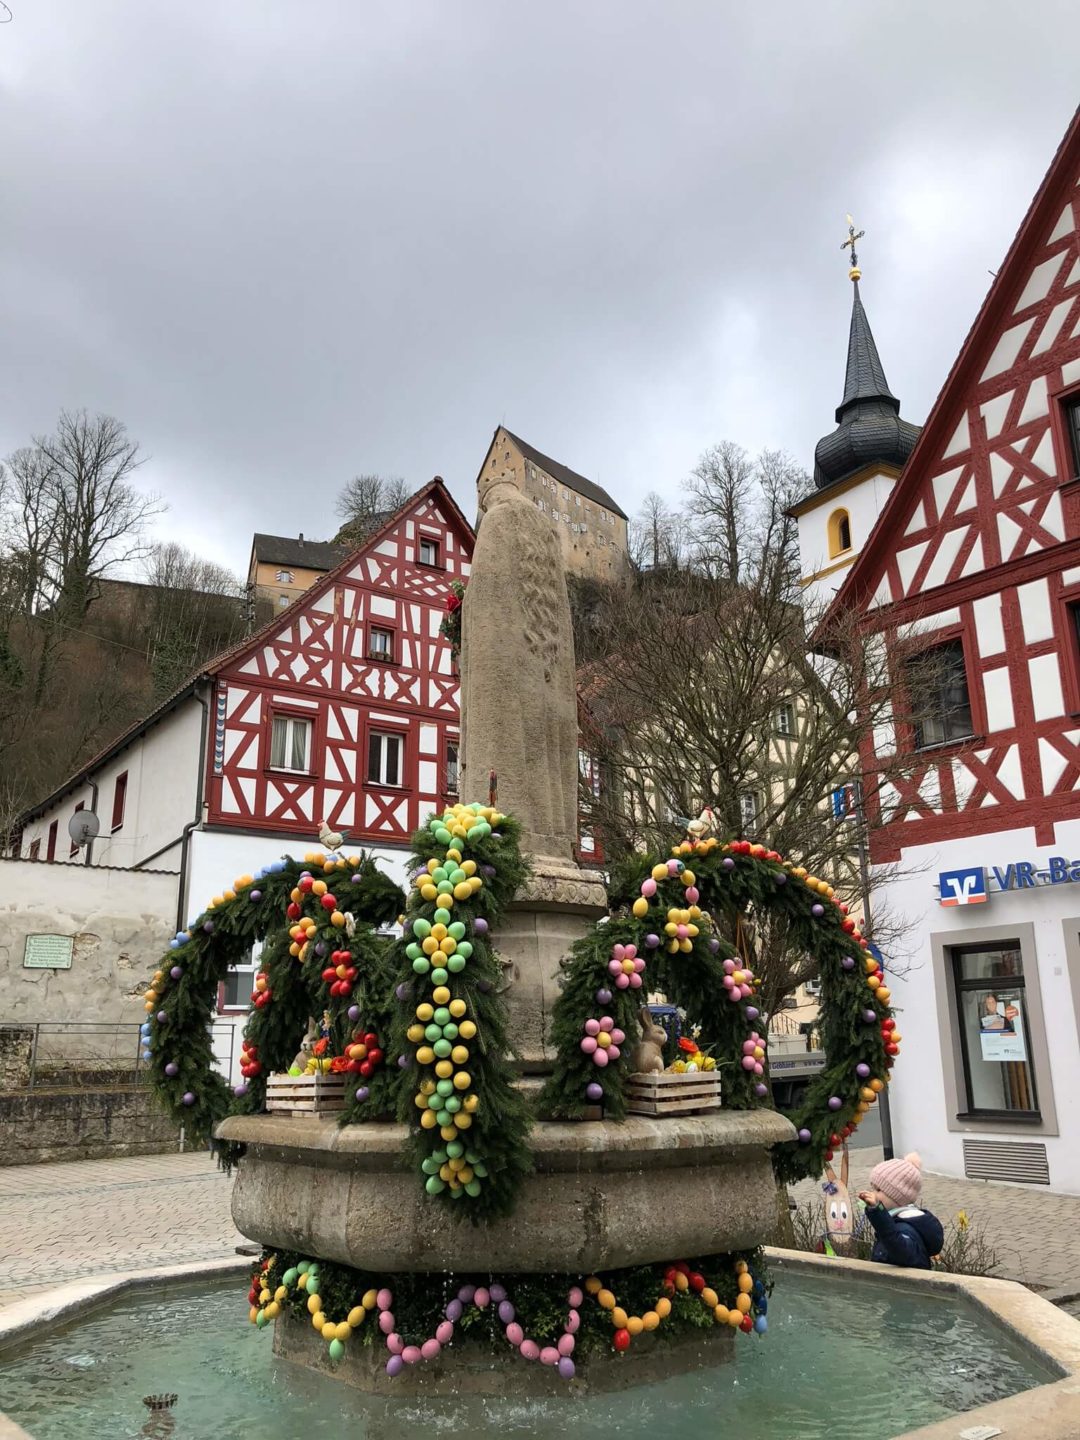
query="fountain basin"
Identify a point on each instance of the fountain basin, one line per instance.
(603, 1195)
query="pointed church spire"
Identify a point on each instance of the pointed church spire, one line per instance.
(869, 428)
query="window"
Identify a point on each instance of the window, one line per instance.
(748, 809)
(938, 691)
(35, 849)
(50, 853)
(240, 981)
(380, 644)
(565, 494)
(785, 718)
(282, 601)
(577, 499)
(839, 533)
(74, 848)
(290, 743)
(429, 551)
(995, 1041)
(451, 767)
(119, 797)
(284, 577)
(1072, 427)
(384, 758)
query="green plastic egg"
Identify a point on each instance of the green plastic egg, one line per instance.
(453, 1104)
(457, 930)
(421, 928)
(442, 1048)
(439, 976)
(450, 1031)
(456, 963)
(442, 916)
(455, 1149)
(435, 1101)
(473, 1188)
(433, 1032)
(480, 1169)
(445, 1087)
(434, 1185)
(337, 1349)
(422, 966)
(289, 1278)
(441, 1016)
(465, 949)
(430, 1166)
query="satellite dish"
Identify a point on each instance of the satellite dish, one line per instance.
(83, 826)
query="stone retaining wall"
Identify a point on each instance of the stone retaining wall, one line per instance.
(82, 1124)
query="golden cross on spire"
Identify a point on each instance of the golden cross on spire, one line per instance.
(849, 244)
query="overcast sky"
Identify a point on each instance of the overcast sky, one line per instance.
(286, 242)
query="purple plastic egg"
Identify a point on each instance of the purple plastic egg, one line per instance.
(453, 1311)
(466, 1293)
(714, 945)
(835, 1103)
(805, 1137)
(862, 1071)
(761, 1091)
(401, 991)
(566, 1367)
(603, 997)
(594, 1092)
(161, 1017)
(208, 926)
(483, 986)
(480, 926)
(869, 1016)
(848, 963)
(403, 1062)
(189, 1098)
(255, 895)
(652, 941)
(506, 1312)
(728, 863)
(356, 879)
(172, 1068)
(752, 1012)
(817, 910)
(176, 971)
(497, 1293)
(354, 1012)
(363, 1093)
(239, 1091)
(780, 877)
(394, 1366)
(488, 871)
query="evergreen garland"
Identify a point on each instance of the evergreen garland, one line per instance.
(667, 912)
(468, 1123)
(290, 988)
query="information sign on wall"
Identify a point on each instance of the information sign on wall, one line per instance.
(47, 952)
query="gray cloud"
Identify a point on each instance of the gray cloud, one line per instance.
(287, 242)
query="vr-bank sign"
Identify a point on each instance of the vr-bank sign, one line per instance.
(976, 885)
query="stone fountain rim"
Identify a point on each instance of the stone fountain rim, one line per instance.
(556, 1145)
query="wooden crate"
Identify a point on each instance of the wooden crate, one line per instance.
(673, 1094)
(306, 1094)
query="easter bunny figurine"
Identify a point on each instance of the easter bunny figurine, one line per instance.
(648, 1053)
(841, 1217)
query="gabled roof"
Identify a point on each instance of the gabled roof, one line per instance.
(565, 476)
(250, 642)
(865, 573)
(295, 551)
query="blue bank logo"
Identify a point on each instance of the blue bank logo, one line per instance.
(962, 887)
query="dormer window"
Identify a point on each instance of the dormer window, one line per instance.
(284, 577)
(839, 533)
(429, 551)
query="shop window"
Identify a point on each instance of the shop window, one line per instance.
(380, 644)
(1071, 407)
(119, 800)
(429, 551)
(384, 758)
(50, 852)
(938, 693)
(839, 533)
(290, 743)
(995, 1037)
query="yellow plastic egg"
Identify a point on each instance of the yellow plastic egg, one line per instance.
(605, 1299)
(356, 1316)
(709, 1297)
(457, 1008)
(428, 1120)
(635, 1324)
(425, 1055)
(467, 1029)
(319, 887)
(253, 1314)
(663, 1307)
(720, 1314)
(742, 1304)
(441, 995)
(593, 1285)
(369, 1299)
(462, 1121)
(425, 1013)
(462, 1080)
(734, 1318)
(459, 1054)
(313, 1303)
(746, 1283)
(273, 1310)
(444, 1069)
(641, 906)
(471, 1104)
(318, 1320)
(681, 1282)
(618, 1317)
(650, 1320)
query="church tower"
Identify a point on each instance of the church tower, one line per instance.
(856, 465)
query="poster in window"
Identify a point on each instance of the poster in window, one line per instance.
(1001, 1028)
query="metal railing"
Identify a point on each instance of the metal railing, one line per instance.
(77, 1053)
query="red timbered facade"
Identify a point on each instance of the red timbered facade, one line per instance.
(980, 543)
(346, 708)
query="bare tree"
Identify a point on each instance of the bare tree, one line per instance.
(365, 502)
(195, 608)
(657, 534)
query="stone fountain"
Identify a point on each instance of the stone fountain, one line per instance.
(602, 1195)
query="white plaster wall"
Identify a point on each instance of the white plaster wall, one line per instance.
(863, 503)
(917, 1091)
(120, 922)
(163, 773)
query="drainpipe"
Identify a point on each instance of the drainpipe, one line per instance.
(868, 930)
(93, 809)
(185, 838)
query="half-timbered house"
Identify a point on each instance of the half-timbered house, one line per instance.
(975, 557)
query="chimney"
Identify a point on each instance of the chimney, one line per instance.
(301, 537)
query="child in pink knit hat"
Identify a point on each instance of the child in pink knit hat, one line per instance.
(904, 1233)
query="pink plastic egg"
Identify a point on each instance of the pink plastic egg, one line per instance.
(618, 952)
(575, 1297)
(481, 1299)
(394, 1343)
(613, 1052)
(748, 1047)
(606, 1022)
(384, 1299)
(573, 1320)
(430, 1349)
(514, 1333)
(588, 1044)
(748, 1062)
(692, 895)
(622, 982)
(648, 888)
(617, 1036)
(549, 1355)
(445, 1333)
(386, 1322)
(600, 1058)
(729, 967)
(411, 1355)
(634, 982)
(566, 1344)
(530, 1350)
(593, 1027)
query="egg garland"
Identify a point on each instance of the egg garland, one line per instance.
(266, 1304)
(666, 916)
(746, 1314)
(470, 1124)
(298, 934)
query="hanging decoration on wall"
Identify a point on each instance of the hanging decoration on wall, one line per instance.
(550, 1319)
(450, 628)
(469, 1124)
(674, 918)
(309, 965)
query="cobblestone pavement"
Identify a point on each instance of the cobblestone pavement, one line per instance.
(1036, 1235)
(89, 1217)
